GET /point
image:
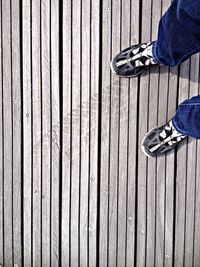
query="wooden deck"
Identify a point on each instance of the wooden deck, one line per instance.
(75, 187)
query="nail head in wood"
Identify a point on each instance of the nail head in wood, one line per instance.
(67, 154)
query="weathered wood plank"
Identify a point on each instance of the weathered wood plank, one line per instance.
(170, 170)
(196, 259)
(191, 170)
(27, 134)
(17, 134)
(46, 132)
(1, 146)
(123, 142)
(94, 132)
(37, 161)
(152, 176)
(55, 137)
(66, 140)
(85, 132)
(132, 144)
(105, 133)
(7, 132)
(143, 128)
(196, 233)
(76, 113)
(169, 207)
(163, 106)
(171, 167)
(161, 171)
(114, 141)
(170, 174)
(181, 176)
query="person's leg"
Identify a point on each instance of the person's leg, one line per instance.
(186, 122)
(178, 39)
(179, 33)
(187, 117)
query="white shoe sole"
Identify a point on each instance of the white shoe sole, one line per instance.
(142, 143)
(121, 76)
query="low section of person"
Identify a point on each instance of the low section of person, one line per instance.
(178, 39)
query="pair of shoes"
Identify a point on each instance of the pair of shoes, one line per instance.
(130, 63)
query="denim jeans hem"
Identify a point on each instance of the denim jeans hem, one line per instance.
(154, 53)
(182, 132)
(177, 128)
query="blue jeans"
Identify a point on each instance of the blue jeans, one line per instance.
(187, 117)
(178, 39)
(179, 33)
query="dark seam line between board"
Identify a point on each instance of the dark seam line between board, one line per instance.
(60, 47)
(99, 131)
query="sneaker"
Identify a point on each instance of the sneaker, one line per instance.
(161, 140)
(131, 61)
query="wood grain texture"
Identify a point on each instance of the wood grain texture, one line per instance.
(46, 132)
(7, 132)
(94, 133)
(85, 133)
(55, 135)
(114, 141)
(1, 147)
(27, 133)
(132, 145)
(170, 174)
(66, 134)
(105, 134)
(152, 175)
(142, 159)
(37, 157)
(76, 132)
(170, 169)
(196, 259)
(181, 176)
(17, 133)
(80, 119)
(196, 232)
(123, 143)
(191, 171)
